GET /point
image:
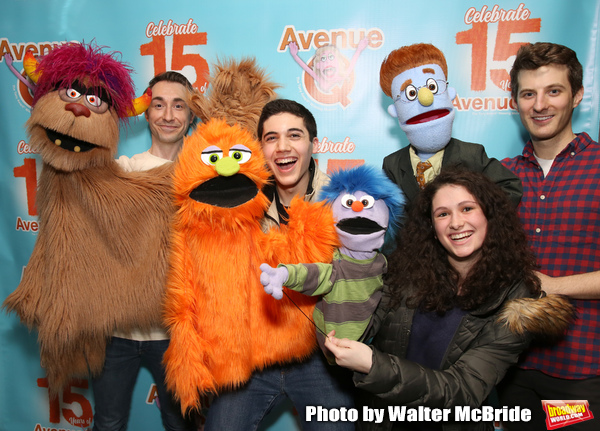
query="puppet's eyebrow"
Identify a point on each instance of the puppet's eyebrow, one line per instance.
(240, 147)
(428, 70)
(405, 84)
(212, 149)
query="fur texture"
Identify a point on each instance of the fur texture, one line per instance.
(100, 133)
(103, 240)
(238, 91)
(221, 322)
(545, 318)
(100, 259)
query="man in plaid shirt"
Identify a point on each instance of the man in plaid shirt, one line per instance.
(560, 210)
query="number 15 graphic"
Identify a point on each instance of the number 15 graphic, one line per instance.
(157, 49)
(477, 36)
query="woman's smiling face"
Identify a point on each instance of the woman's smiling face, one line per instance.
(459, 225)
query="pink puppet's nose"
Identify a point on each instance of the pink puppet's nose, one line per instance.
(78, 109)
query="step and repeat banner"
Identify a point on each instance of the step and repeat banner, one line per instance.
(478, 39)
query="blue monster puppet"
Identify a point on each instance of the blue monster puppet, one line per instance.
(367, 207)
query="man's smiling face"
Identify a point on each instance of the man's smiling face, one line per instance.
(288, 150)
(545, 103)
(169, 116)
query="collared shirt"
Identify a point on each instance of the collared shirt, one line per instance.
(270, 191)
(435, 160)
(561, 215)
(282, 209)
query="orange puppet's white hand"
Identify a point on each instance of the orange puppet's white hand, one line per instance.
(273, 279)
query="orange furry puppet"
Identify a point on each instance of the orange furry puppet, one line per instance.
(100, 258)
(221, 322)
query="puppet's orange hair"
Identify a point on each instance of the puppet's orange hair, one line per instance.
(407, 57)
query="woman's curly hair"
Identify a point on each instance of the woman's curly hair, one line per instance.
(421, 263)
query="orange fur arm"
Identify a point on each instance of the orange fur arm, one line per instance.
(186, 357)
(311, 231)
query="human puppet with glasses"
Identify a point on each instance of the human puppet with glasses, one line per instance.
(416, 78)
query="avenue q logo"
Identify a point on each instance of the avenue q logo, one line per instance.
(560, 413)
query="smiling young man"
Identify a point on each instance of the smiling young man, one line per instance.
(288, 133)
(169, 119)
(560, 172)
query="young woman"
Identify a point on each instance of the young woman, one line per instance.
(461, 305)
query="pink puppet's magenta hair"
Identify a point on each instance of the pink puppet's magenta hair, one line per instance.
(86, 63)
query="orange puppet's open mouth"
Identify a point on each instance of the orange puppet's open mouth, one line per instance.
(428, 116)
(69, 143)
(225, 192)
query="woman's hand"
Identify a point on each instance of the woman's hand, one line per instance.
(350, 354)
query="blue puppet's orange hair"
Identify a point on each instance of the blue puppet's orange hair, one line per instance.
(374, 182)
(87, 64)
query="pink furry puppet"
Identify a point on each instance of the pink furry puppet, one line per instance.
(100, 260)
(222, 324)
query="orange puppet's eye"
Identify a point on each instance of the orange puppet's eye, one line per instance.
(240, 153)
(211, 155)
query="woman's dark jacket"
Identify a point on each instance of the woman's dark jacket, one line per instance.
(487, 341)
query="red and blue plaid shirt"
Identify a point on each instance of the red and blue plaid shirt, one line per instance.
(561, 215)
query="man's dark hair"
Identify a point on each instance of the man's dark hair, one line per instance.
(534, 56)
(279, 106)
(171, 76)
